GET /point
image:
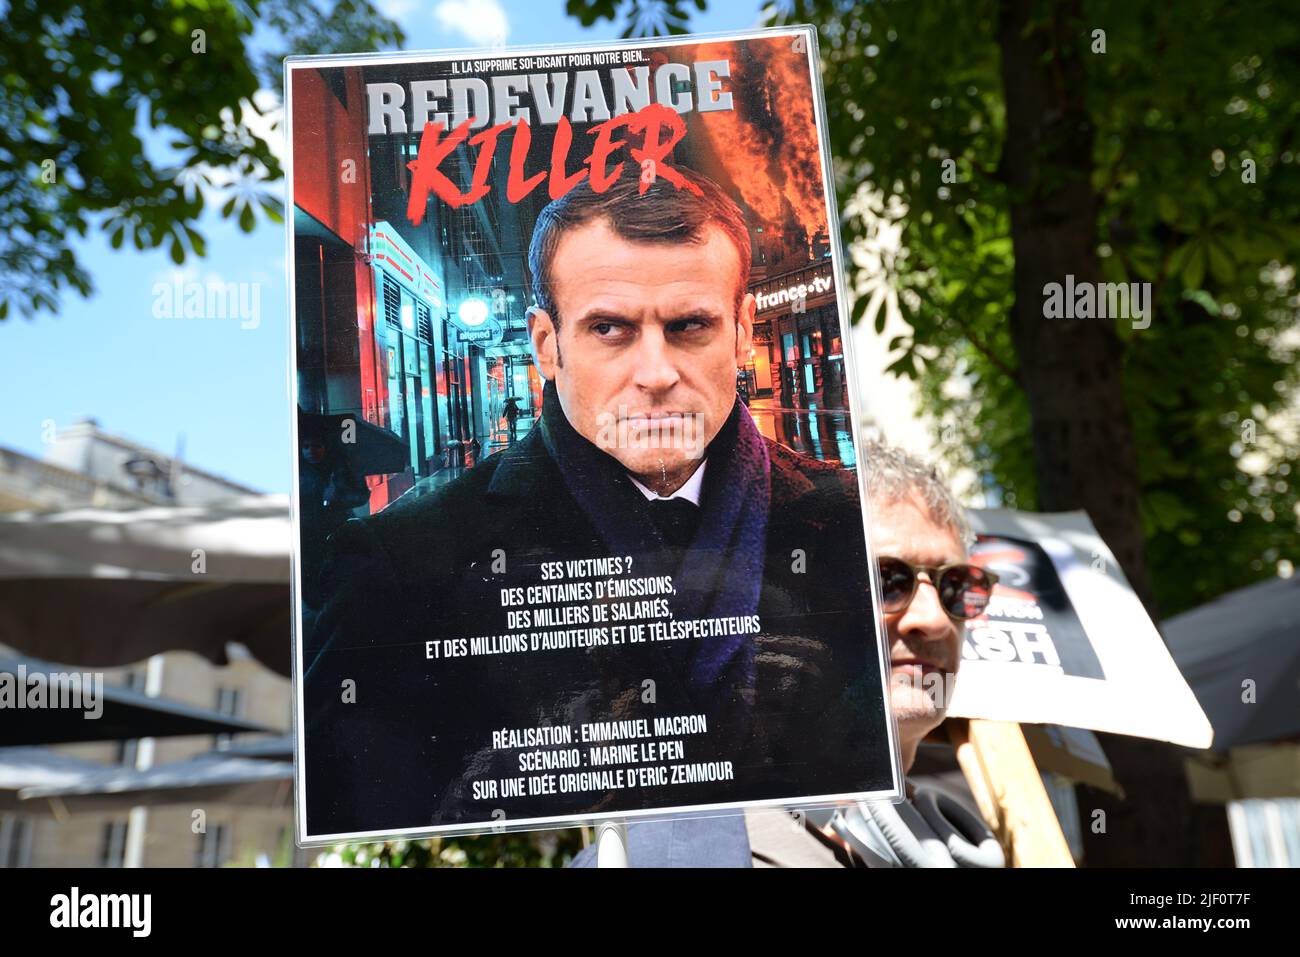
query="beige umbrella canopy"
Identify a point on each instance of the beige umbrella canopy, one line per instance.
(26, 767)
(90, 713)
(208, 778)
(102, 588)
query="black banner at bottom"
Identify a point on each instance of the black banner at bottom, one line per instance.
(333, 906)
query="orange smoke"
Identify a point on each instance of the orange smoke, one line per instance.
(767, 145)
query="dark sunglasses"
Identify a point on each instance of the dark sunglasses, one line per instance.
(964, 590)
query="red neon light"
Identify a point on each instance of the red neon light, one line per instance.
(398, 268)
(392, 245)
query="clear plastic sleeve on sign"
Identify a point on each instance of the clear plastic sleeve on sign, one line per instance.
(580, 530)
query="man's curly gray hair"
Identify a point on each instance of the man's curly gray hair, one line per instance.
(892, 475)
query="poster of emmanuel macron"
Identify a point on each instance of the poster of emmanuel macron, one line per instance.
(579, 529)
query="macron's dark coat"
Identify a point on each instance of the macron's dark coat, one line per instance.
(403, 752)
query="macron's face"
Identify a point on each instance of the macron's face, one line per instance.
(645, 358)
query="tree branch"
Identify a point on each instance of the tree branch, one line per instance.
(1012, 374)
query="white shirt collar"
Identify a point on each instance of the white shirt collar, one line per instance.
(690, 491)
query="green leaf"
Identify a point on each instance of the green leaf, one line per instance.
(273, 207)
(1222, 267)
(197, 242)
(1180, 257)
(1203, 299)
(859, 307)
(1194, 271)
(1112, 269)
(1144, 260)
(882, 317)
(904, 366)
(1167, 209)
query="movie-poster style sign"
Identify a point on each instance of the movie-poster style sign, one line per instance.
(579, 527)
(1065, 640)
(1029, 619)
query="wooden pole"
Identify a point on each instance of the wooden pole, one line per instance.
(1002, 776)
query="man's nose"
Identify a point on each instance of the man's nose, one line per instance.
(656, 368)
(925, 618)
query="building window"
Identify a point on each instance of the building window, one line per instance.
(423, 322)
(1265, 832)
(214, 847)
(128, 750)
(392, 303)
(112, 849)
(15, 841)
(230, 703)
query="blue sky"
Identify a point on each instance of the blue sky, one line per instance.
(221, 383)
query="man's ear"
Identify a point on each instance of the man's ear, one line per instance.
(545, 342)
(745, 329)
